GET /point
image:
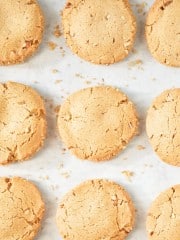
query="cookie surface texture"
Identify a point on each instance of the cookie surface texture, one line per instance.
(22, 25)
(96, 209)
(101, 31)
(163, 220)
(97, 123)
(21, 209)
(163, 31)
(163, 126)
(22, 122)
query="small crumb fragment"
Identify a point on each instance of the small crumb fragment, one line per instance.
(140, 147)
(141, 7)
(56, 109)
(55, 71)
(57, 32)
(128, 175)
(87, 82)
(79, 75)
(65, 174)
(58, 81)
(62, 51)
(135, 63)
(52, 45)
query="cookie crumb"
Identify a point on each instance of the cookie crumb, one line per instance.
(52, 45)
(140, 147)
(55, 71)
(135, 63)
(58, 81)
(128, 175)
(57, 32)
(56, 109)
(141, 7)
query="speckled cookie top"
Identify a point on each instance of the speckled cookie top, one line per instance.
(21, 24)
(96, 209)
(163, 126)
(100, 31)
(163, 31)
(97, 123)
(22, 122)
(163, 220)
(21, 209)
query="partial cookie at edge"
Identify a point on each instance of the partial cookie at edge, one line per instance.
(83, 210)
(22, 122)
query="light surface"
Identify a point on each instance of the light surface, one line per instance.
(151, 176)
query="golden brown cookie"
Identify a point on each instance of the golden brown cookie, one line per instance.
(163, 220)
(22, 122)
(97, 123)
(21, 209)
(22, 25)
(163, 31)
(163, 126)
(101, 31)
(96, 209)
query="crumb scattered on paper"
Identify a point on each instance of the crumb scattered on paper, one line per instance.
(57, 31)
(128, 175)
(140, 147)
(55, 71)
(141, 7)
(65, 174)
(135, 63)
(58, 81)
(56, 109)
(52, 45)
(62, 51)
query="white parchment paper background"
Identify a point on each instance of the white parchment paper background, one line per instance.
(140, 83)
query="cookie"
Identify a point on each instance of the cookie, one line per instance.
(21, 209)
(163, 126)
(22, 122)
(22, 25)
(162, 31)
(96, 209)
(97, 123)
(163, 220)
(101, 31)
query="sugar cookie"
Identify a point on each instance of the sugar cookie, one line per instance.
(163, 126)
(22, 122)
(21, 209)
(96, 209)
(163, 220)
(163, 31)
(21, 24)
(97, 123)
(101, 31)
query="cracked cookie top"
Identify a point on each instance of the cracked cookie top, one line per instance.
(163, 220)
(163, 126)
(96, 209)
(97, 123)
(22, 122)
(101, 31)
(163, 31)
(21, 24)
(21, 209)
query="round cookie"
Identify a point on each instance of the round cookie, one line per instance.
(96, 209)
(22, 122)
(21, 209)
(22, 25)
(101, 31)
(163, 126)
(163, 220)
(97, 123)
(162, 31)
